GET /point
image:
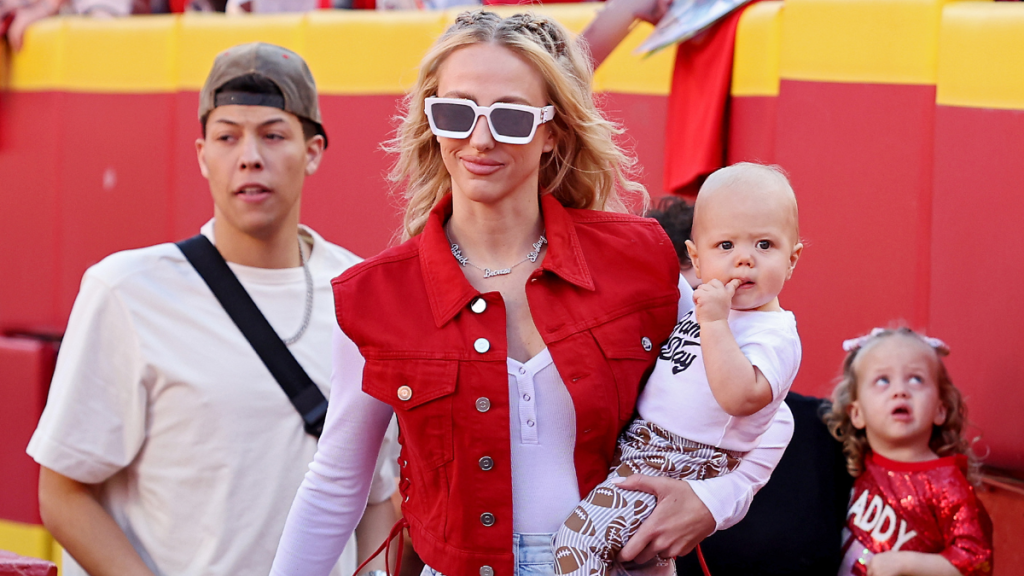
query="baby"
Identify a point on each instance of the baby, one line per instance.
(722, 374)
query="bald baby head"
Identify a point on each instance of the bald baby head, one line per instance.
(748, 187)
(746, 231)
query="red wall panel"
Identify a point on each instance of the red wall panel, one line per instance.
(977, 274)
(26, 367)
(643, 117)
(752, 121)
(191, 204)
(115, 191)
(860, 159)
(31, 137)
(349, 199)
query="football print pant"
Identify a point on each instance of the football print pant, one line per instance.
(590, 539)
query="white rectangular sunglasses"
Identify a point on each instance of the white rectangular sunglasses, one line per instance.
(509, 123)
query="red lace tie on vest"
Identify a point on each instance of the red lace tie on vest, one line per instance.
(385, 547)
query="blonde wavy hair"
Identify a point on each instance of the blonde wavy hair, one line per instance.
(946, 440)
(586, 169)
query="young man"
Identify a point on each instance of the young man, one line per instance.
(167, 446)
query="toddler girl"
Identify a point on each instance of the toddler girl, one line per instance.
(900, 419)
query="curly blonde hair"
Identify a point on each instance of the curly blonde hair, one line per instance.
(946, 440)
(586, 169)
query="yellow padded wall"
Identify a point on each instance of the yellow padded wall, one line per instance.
(866, 41)
(39, 64)
(349, 52)
(758, 42)
(137, 54)
(26, 539)
(203, 36)
(981, 55)
(368, 52)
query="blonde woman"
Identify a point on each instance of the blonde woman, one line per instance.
(511, 330)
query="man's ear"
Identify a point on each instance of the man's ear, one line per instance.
(200, 144)
(314, 154)
(691, 249)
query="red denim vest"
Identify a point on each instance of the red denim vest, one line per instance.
(604, 300)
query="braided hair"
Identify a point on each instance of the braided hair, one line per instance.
(586, 169)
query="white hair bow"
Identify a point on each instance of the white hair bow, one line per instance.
(857, 343)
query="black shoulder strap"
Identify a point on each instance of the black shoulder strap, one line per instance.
(301, 390)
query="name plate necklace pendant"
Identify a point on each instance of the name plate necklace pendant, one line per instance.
(488, 273)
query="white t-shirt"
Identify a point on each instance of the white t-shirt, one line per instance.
(159, 397)
(678, 397)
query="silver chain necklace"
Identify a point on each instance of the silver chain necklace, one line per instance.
(309, 299)
(488, 273)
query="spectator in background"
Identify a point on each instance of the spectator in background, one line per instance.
(273, 6)
(17, 15)
(676, 216)
(695, 142)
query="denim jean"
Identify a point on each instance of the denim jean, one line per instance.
(534, 557)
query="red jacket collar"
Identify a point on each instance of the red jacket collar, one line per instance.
(447, 287)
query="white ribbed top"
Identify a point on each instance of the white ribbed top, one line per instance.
(542, 422)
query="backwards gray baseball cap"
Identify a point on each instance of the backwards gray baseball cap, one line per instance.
(286, 69)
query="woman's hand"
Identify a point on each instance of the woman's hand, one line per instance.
(25, 13)
(679, 521)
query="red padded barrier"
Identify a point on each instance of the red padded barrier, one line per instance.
(31, 136)
(115, 189)
(976, 275)
(26, 366)
(84, 175)
(191, 203)
(349, 200)
(643, 116)
(13, 565)
(860, 159)
(752, 121)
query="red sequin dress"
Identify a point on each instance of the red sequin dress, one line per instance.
(916, 506)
